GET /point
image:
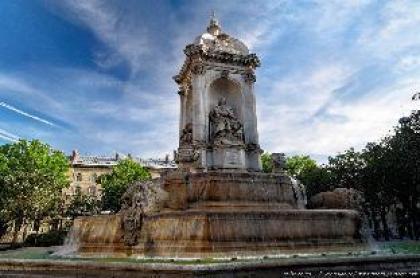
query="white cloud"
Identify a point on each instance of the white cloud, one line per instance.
(293, 128)
(129, 42)
(396, 29)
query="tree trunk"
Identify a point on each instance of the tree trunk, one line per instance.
(384, 224)
(18, 224)
(3, 228)
(375, 226)
(25, 231)
(413, 218)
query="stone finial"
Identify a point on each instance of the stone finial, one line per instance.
(214, 27)
(279, 162)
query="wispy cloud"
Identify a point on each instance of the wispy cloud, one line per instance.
(8, 136)
(26, 114)
(126, 38)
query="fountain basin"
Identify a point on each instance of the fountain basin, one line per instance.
(220, 233)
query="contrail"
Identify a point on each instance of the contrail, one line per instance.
(8, 136)
(23, 113)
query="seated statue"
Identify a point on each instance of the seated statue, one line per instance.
(225, 127)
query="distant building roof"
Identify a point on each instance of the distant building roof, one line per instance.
(108, 161)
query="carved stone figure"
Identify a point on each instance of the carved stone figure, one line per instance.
(186, 136)
(226, 129)
(279, 162)
(140, 199)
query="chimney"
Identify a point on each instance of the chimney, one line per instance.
(75, 156)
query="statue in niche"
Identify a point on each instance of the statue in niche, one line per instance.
(186, 136)
(225, 127)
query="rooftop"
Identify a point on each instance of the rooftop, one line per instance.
(109, 161)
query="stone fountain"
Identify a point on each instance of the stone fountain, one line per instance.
(218, 203)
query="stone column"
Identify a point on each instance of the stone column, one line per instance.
(198, 117)
(198, 111)
(182, 110)
(250, 125)
(250, 116)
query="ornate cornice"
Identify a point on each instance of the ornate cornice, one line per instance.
(193, 50)
(197, 58)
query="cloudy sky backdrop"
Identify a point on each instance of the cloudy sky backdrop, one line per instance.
(96, 75)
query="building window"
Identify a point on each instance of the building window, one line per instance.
(92, 190)
(94, 177)
(79, 177)
(78, 190)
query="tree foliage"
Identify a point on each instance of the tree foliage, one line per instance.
(267, 164)
(386, 172)
(116, 183)
(82, 204)
(299, 164)
(32, 176)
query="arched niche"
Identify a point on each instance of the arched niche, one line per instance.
(231, 91)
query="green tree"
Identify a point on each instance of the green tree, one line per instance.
(267, 163)
(405, 175)
(316, 179)
(116, 183)
(82, 204)
(376, 184)
(32, 176)
(4, 195)
(298, 164)
(345, 169)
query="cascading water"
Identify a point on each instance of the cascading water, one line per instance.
(300, 193)
(366, 233)
(71, 243)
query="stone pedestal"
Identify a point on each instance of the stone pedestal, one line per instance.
(218, 233)
(219, 214)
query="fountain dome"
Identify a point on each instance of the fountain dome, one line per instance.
(215, 40)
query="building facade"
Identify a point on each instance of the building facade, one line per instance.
(85, 170)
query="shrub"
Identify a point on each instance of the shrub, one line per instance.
(46, 239)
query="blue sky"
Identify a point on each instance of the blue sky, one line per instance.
(96, 75)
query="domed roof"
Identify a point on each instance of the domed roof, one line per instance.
(215, 40)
